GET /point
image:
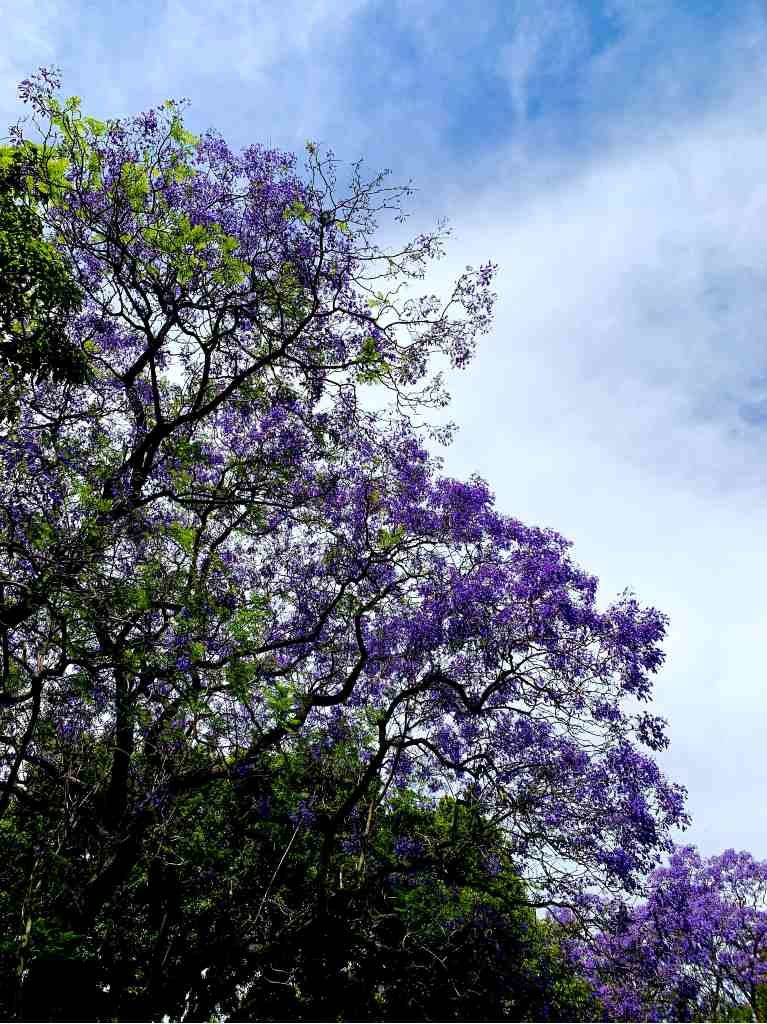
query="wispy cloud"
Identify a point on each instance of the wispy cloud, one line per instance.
(29, 40)
(547, 40)
(621, 396)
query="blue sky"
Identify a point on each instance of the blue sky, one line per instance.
(611, 158)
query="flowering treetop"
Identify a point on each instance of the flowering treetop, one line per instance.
(696, 946)
(209, 549)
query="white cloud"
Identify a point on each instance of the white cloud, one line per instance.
(248, 37)
(618, 401)
(255, 70)
(30, 37)
(547, 38)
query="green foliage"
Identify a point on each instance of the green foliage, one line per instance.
(190, 250)
(134, 183)
(371, 367)
(745, 1012)
(419, 915)
(297, 211)
(387, 539)
(38, 294)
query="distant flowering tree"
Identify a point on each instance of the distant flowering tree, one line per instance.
(696, 949)
(210, 550)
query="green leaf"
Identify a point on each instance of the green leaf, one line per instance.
(297, 211)
(387, 539)
(183, 535)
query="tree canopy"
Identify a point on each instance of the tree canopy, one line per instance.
(265, 670)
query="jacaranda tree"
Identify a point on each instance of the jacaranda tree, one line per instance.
(695, 949)
(212, 550)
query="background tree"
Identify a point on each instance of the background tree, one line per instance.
(694, 950)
